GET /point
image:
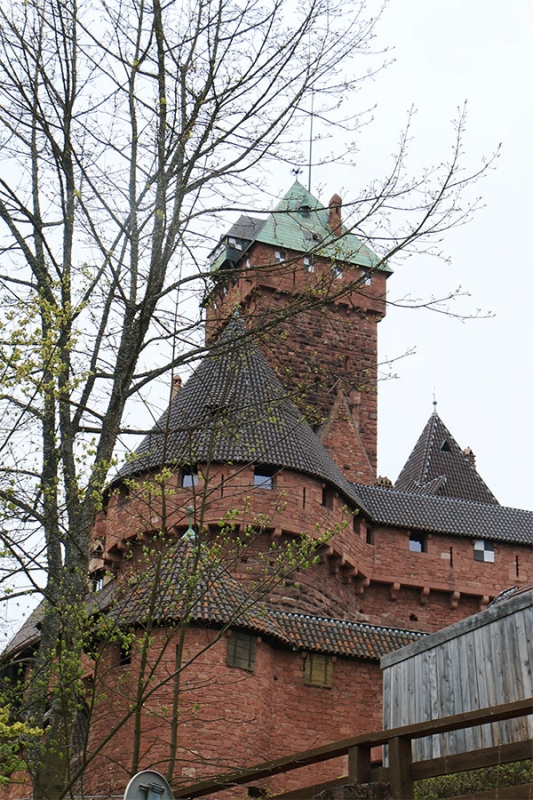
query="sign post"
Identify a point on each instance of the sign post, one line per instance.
(148, 785)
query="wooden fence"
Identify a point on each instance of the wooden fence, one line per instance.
(402, 771)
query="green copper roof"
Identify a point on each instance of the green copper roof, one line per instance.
(298, 216)
(300, 223)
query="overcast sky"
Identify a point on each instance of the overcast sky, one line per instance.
(446, 52)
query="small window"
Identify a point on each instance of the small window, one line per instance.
(484, 551)
(305, 211)
(189, 477)
(417, 542)
(327, 497)
(280, 256)
(241, 651)
(366, 278)
(263, 478)
(369, 535)
(236, 243)
(98, 580)
(318, 670)
(336, 271)
(308, 264)
(445, 446)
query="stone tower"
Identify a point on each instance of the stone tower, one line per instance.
(314, 293)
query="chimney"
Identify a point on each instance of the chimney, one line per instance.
(469, 453)
(335, 215)
(176, 385)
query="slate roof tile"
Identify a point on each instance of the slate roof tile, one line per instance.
(438, 466)
(234, 409)
(445, 514)
(215, 597)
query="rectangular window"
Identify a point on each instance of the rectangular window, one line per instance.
(308, 264)
(189, 477)
(366, 278)
(280, 256)
(241, 651)
(336, 271)
(263, 478)
(484, 551)
(318, 670)
(417, 542)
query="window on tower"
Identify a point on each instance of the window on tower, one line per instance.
(417, 542)
(263, 478)
(336, 271)
(484, 551)
(280, 256)
(189, 477)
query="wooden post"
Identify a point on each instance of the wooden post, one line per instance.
(401, 783)
(358, 763)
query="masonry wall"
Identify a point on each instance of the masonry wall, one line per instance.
(319, 333)
(229, 717)
(365, 572)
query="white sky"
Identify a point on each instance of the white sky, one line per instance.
(449, 51)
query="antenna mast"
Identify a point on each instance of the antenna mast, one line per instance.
(311, 140)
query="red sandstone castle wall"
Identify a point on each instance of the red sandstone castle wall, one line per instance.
(229, 717)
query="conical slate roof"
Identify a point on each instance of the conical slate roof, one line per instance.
(438, 466)
(233, 409)
(191, 582)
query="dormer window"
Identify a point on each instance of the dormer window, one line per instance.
(280, 256)
(189, 477)
(484, 551)
(236, 243)
(305, 210)
(308, 264)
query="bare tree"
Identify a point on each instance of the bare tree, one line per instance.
(124, 128)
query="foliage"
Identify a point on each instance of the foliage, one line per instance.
(479, 780)
(14, 736)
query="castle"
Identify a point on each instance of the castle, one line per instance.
(260, 645)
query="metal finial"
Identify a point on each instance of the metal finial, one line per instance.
(190, 532)
(434, 403)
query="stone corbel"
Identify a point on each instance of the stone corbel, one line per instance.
(394, 591)
(454, 599)
(424, 595)
(483, 602)
(361, 584)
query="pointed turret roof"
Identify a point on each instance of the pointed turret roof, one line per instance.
(438, 466)
(233, 409)
(300, 223)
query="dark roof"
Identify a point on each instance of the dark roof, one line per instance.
(445, 514)
(234, 409)
(438, 466)
(215, 597)
(246, 227)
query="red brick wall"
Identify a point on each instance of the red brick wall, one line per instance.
(321, 341)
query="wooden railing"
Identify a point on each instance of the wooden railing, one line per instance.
(402, 771)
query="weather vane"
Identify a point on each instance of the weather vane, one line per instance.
(296, 171)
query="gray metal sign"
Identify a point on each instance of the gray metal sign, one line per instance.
(148, 785)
